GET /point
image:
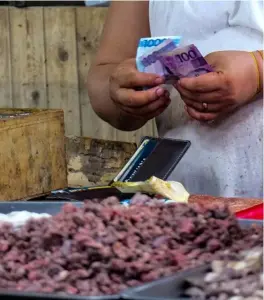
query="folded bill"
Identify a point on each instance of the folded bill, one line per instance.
(150, 62)
(146, 45)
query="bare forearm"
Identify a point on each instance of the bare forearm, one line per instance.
(115, 48)
(104, 107)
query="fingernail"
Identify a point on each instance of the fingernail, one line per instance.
(159, 80)
(167, 94)
(159, 92)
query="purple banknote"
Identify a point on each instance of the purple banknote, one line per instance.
(185, 62)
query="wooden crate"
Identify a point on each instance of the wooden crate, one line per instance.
(32, 153)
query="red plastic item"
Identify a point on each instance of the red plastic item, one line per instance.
(254, 213)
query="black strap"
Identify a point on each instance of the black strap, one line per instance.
(24, 4)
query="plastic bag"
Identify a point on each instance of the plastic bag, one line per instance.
(172, 190)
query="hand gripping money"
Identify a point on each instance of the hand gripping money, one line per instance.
(236, 82)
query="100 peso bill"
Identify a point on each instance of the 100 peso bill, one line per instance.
(185, 62)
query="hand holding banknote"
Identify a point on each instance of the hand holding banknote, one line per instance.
(126, 91)
(213, 95)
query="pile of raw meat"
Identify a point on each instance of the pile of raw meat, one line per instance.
(104, 248)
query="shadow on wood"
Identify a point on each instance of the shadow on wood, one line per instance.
(94, 161)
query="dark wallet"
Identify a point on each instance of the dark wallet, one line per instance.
(154, 157)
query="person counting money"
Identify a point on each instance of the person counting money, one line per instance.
(220, 112)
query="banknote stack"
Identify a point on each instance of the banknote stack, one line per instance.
(163, 56)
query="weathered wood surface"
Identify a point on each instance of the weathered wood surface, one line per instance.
(27, 58)
(32, 156)
(95, 162)
(45, 55)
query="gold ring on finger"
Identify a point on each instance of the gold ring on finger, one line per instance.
(205, 106)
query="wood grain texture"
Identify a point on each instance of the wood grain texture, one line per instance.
(88, 37)
(235, 204)
(27, 58)
(95, 162)
(45, 55)
(5, 60)
(32, 156)
(61, 56)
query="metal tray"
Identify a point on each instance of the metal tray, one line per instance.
(48, 207)
(172, 287)
(53, 207)
(37, 296)
(248, 223)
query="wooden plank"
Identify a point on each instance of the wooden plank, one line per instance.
(90, 23)
(27, 53)
(5, 70)
(61, 55)
(95, 162)
(61, 83)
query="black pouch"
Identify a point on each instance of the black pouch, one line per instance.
(154, 157)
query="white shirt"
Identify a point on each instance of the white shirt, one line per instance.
(224, 159)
